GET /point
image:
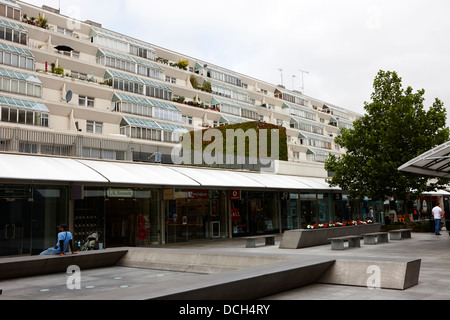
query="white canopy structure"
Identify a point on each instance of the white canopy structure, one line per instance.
(41, 169)
(435, 163)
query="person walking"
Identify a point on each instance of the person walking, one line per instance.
(371, 217)
(437, 213)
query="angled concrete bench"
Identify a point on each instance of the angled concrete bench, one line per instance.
(338, 243)
(269, 240)
(19, 267)
(400, 234)
(376, 237)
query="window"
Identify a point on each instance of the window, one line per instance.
(79, 75)
(94, 127)
(44, 120)
(28, 117)
(171, 80)
(86, 101)
(187, 120)
(16, 57)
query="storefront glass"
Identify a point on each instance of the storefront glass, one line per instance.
(29, 217)
(255, 213)
(325, 206)
(308, 208)
(50, 209)
(122, 217)
(196, 214)
(290, 212)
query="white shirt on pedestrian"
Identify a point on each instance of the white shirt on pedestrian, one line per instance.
(437, 212)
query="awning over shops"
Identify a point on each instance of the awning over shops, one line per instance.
(139, 174)
(31, 169)
(435, 163)
(39, 169)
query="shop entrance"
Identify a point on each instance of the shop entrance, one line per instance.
(195, 214)
(308, 210)
(119, 222)
(15, 227)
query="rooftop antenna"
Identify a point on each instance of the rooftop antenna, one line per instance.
(303, 80)
(293, 77)
(281, 71)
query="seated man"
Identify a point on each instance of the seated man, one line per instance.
(64, 239)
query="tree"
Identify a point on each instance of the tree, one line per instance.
(395, 130)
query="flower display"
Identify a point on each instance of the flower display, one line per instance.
(338, 224)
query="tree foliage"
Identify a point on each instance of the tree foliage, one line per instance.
(395, 130)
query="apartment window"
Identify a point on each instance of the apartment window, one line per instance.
(167, 114)
(79, 75)
(187, 120)
(21, 87)
(67, 32)
(16, 36)
(171, 80)
(94, 127)
(86, 101)
(10, 56)
(22, 116)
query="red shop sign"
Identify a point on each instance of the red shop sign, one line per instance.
(235, 215)
(235, 195)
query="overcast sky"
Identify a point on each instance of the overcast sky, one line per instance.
(342, 44)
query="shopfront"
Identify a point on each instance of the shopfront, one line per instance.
(254, 212)
(29, 216)
(122, 216)
(301, 209)
(193, 214)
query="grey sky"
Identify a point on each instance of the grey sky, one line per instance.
(341, 43)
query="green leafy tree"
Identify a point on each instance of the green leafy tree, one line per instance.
(396, 129)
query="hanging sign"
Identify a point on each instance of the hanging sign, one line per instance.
(235, 195)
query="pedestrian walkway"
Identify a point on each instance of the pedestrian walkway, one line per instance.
(124, 282)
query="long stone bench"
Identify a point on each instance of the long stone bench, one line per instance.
(303, 238)
(388, 273)
(19, 267)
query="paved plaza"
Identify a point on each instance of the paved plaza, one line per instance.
(124, 283)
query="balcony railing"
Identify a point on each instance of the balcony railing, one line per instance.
(20, 140)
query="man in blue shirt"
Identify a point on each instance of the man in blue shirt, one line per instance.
(64, 240)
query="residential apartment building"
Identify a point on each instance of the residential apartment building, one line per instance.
(74, 90)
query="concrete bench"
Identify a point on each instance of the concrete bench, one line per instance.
(269, 240)
(338, 243)
(400, 234)
(376, 237)
(19, 267)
